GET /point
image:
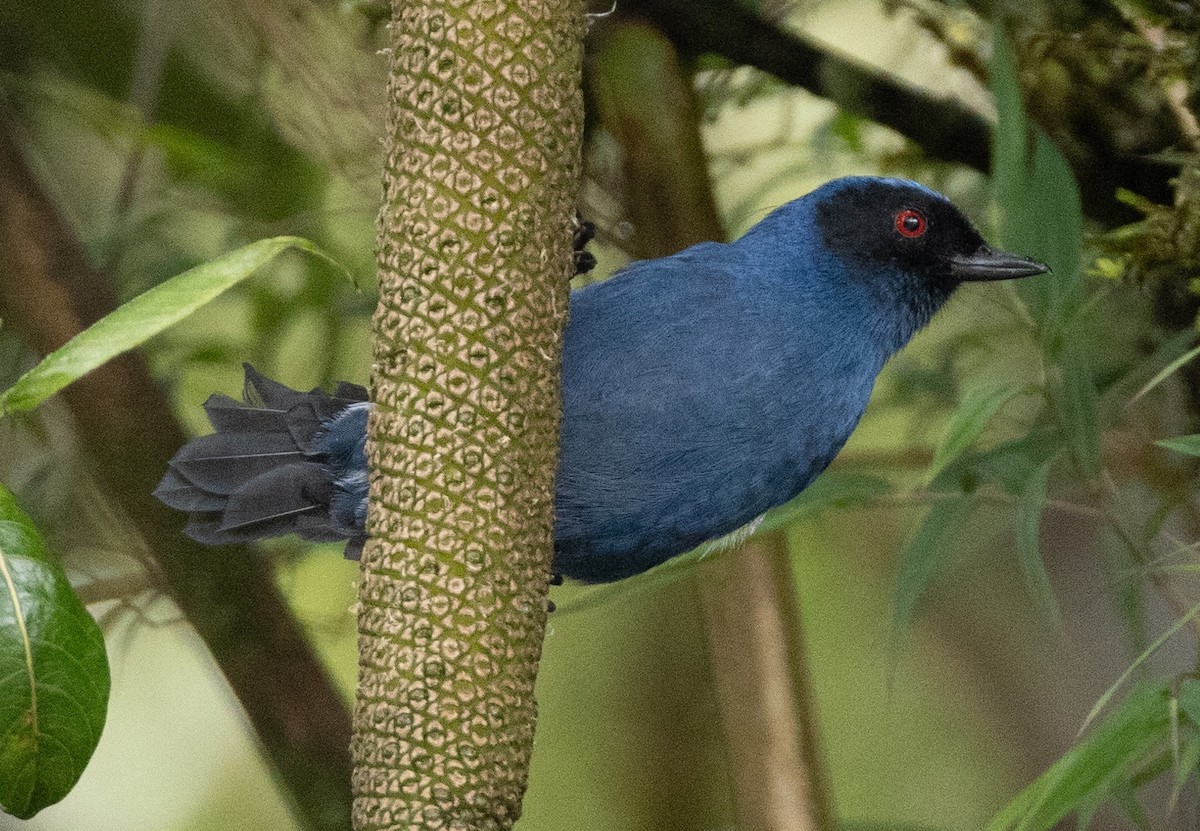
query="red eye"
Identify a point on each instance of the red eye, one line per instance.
(910, 223)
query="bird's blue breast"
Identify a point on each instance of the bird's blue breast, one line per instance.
(700, 391)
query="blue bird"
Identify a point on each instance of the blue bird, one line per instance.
(699, 390)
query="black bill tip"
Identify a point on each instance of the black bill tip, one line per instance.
(989, 264)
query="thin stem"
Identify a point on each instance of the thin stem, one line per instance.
(768, 710)
(1157, 579)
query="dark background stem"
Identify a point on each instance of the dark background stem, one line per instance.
(747, 595)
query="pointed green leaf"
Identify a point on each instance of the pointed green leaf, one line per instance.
(1167, 371)
(1007, 465)
(1010, 139)
(1124, 796)
(880, 826)
(53, 672)
(1187, 445)
(1102, 702)
(1100, 767)
(832, 489)
(1081, 409)
(932, 553)
(1059, 214)
(1125, 389)
(141, 318)
(968, 422)
(1029, 549)
(1187, 764)
(1189, 700)
(1041, 214)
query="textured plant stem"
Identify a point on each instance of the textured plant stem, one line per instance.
(51, 292)
(482, 166)
(747, 595)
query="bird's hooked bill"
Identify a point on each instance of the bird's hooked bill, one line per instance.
(990, 264)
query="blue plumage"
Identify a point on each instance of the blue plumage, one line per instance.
(699, 390)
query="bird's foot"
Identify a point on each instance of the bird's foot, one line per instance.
(585, 232)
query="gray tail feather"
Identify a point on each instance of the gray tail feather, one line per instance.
(261, 473)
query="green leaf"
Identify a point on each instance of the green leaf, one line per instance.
(141, 318)
(1186, 764)
(54, 678)
(968, 422)
(832, 489)
(932, 553)
(1125, 556)
(1100, 767)
(1007, 465)
(1125, 797)
(1010, 139)
(1166, 372)
(1120, 392)
(1081, 410)
(1041, 214)
(1059, 213)
(1102, 702)
(1187, 445)
(1189, 700)
(880, 826)
(1029, 551)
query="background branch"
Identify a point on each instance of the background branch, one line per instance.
(747, 595)
(944, 129)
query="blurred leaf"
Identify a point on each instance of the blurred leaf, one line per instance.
(141, 318)
(969, 420)
(1124, 796)
(1029, 521)
(1096, 769)
(1060, 223)
(848, 127)
(96, 43)
(1040, 211)
(1187, 445)
(832, 489)
(1102, 702)
(54, 679)
(1166, 372)
(1119, 393)
(1008, 465)
(931, 554)
(192, 157)
(1124, 557)
(1081, 409)
(1010, 139)
(1187, 764)
(1189, 700)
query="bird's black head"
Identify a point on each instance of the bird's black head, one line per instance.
(887, 225)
